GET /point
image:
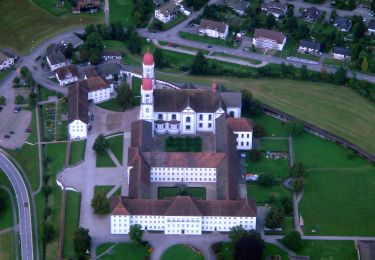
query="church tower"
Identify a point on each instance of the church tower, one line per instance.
(147, 89)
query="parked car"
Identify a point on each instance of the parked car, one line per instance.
(1, 109)
(28, 130)
(90, 127)
(209, 46)
(92, 117)
(11, 132)
(16, 109)
(25, 204)
(7, 136)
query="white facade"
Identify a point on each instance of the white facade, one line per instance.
(100, 95)
(162, 18)
(55, 66)
(265, 43)
(7, 64)
(192, 225)
(214, 33)
(339, 56)
(111, 57)
(244, 140)
(234, 112)
(68, 79)
(169, 174)
(77, 130)
(308, 50)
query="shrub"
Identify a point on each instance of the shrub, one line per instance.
(259, 130)
(292, 240)
(265, 179)
(274, 218)
(254, 155)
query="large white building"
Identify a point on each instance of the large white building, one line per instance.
(213, 29)
(268, 39)
(166, 12)
(55, 61)
(78, 112)
(98, 89)
(181, 215)
(242, 128)
(67, 75)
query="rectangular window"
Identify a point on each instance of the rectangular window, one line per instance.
(209, 117)
(200, 125)
(209, 125)
(200, 117)
(187, 127)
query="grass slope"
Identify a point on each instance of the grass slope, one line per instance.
(7, 247)
(111, 105)
(77, 152)
(329, 250)
(336, 109)
(346, 186)
(121, 11)
(73, 199)
(180, 252)
(6, 217)
(227, 250)
(17, 16)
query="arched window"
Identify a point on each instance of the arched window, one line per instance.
(173, 116)
(231, 113)
(160, 116)
(188, 119)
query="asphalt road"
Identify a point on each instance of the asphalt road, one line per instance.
(25, 226)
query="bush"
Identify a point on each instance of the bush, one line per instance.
(254, 155)
(265, 179)
(100, 203)
(259, 130)
(274, 218)
(295, 127)
(292, 240)
(216, 247)
(298, 185)
(287, 204)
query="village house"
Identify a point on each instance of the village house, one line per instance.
(166, 12)
(342, 23)
(72, 39)
(89, 72)
(239, 6)
(55, 61)
(311, 47)
(7, 59)
(78, 112)
(111, 55)
(111, 71)
(98, 89)
(86, 5)
(277, 9)
(67, 74)
(268, 39)
(341, 53)
(311, 14)
(243, 129)
(213, 29)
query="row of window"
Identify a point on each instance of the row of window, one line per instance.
(182, 179)
(242, 143)
(162, 172)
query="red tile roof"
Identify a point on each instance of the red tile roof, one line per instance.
(239, 124)
(269, 34)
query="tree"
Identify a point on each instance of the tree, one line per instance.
(298, 185)
(359, 28)
(249, 247)
(69, 51)
(100, 203)
(270, 21)
(159, 58)
(47, 190)
(372, 5)
(3, 100)
(259, 130)
(298, 170)
(339, 77)
(32, 99)
(82, 242)
(24, 71)
(254, 155)
(295, 127)
(48, 232)
(364, 65)
(16, 81)
(124, 95)
(101, 145)
(136, 233)
(250, 106)
(265, 179)
(199, 65)
(19, 99)
(3, 205)
(287, 204)
(292, 240)
(303, 73)
(236, 233)
(94, 59)
(274, 218)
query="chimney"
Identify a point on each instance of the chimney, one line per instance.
(213, 87)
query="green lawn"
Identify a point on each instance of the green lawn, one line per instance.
(273, 126)
(15, 29)
(7, 247)
(103, 160)
(72, 212)
(128, 58)
(329, 250)
(27, 157)
(346, 186)
(45, 93)
(33, 136)
(180, 252)
(112, 105)
(6, 217)
(116, 145)
(128, 251)
(278, 168)
(225, 55)
(265, 194)
(291, 49)
(104, 189)
(338, 63)
(121, 11)
(227, 250)
(77, 152)
(288, 225)
(208, 40)
(195, 192)
(50, 6)
(333, 108)
(183, 144)
(274, 145)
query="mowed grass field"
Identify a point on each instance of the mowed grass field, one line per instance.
(23, 24)
(121, 11)
(7, 247)
(334, 108)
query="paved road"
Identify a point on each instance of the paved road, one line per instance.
(25, 226)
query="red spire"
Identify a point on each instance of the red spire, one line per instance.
(148, 59)
(147, 84)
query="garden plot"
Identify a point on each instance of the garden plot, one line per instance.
(54, 118)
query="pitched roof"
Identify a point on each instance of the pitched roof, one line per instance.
(6, 54)
(213, 25)
(232, 99)
(89, 72)
(311, 13)
(239, 124)
(176, 100)
(73, 39)
(342, 23)
(111, 53)
(277, 5)
(239, 5)
(110, 68)
(183, 206)
(56, 58)
(67, 71)
(342, 50)
(269, 34)
(371, 25)
(93, 83)
(185, 160)
(310, 44)
(78, 105)
(168, 8)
